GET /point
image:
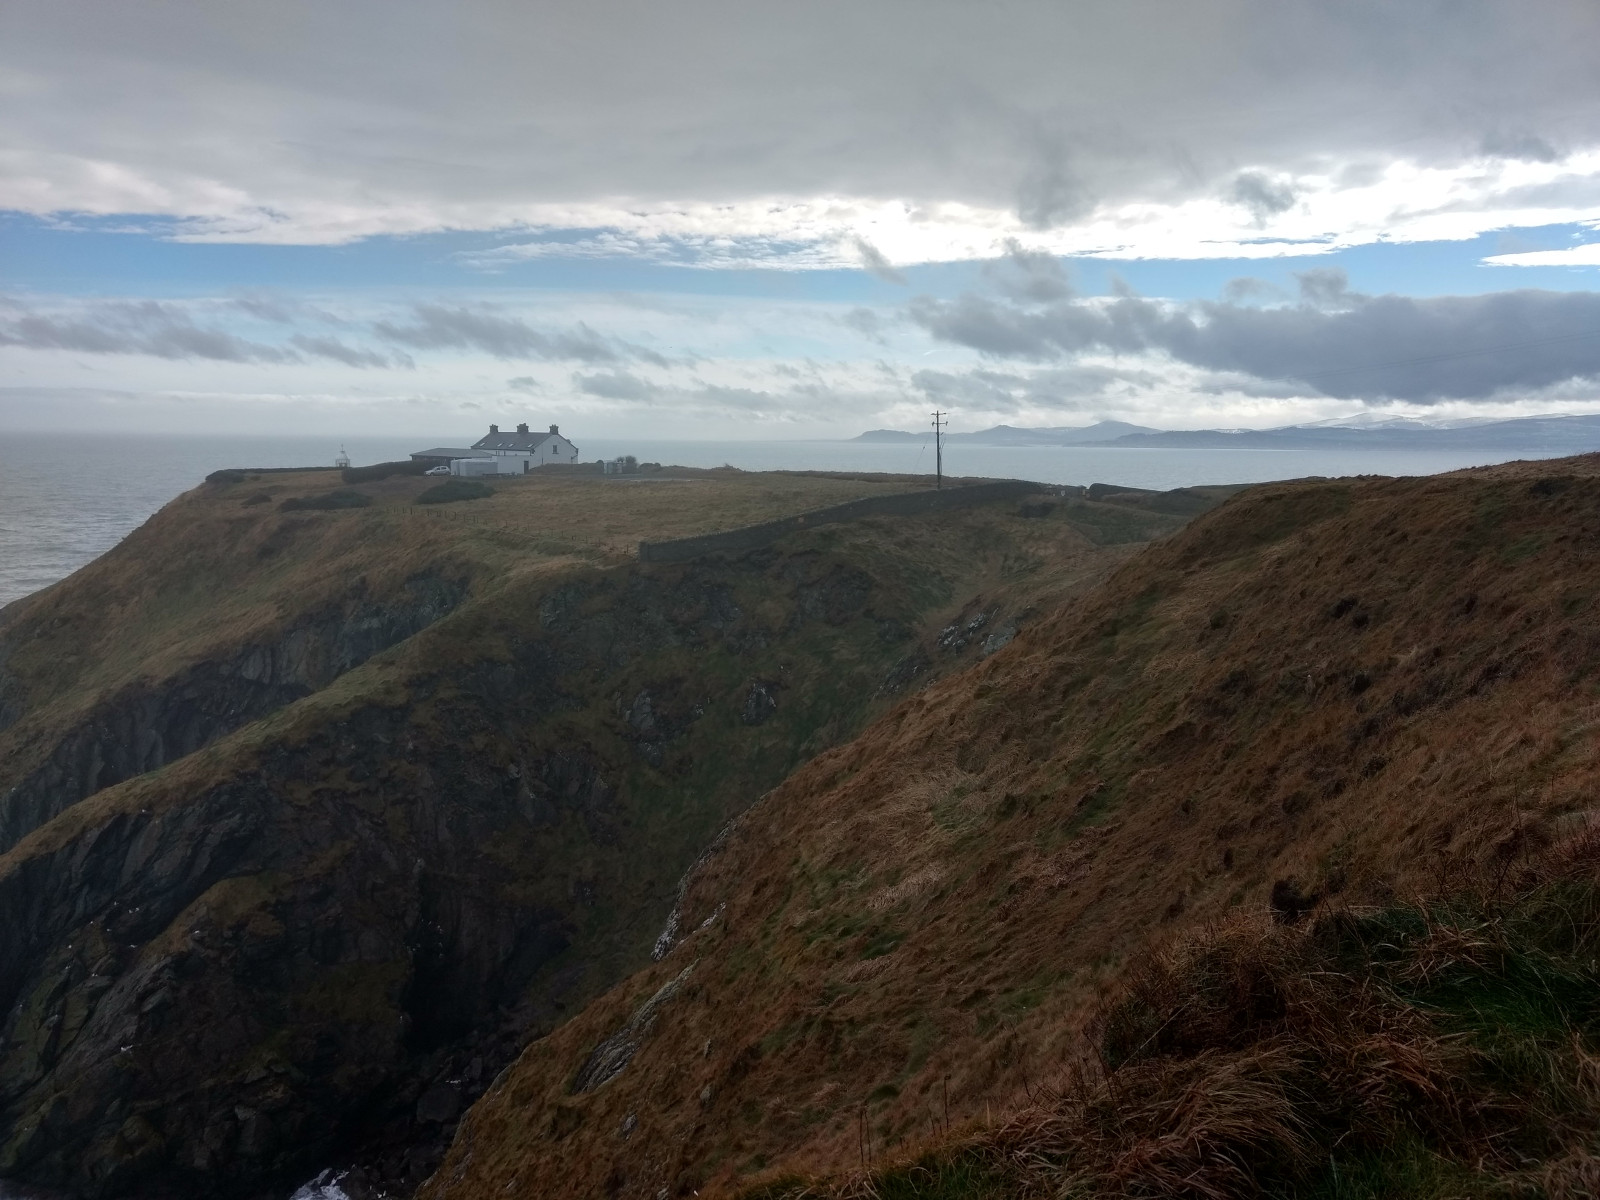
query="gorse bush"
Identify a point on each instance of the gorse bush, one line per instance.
(455, 489)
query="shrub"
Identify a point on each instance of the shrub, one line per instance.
(328, 500)
(455, 489)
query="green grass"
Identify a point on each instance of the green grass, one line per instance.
(1405, 1170)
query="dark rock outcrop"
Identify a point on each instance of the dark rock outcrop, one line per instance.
(316, 947)
(149, 724)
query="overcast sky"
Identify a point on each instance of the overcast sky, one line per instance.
(708, 219)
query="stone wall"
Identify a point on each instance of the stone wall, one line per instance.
(901, 504)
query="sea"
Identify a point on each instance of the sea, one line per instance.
(65, 499)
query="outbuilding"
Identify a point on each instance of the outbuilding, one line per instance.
(442, 456)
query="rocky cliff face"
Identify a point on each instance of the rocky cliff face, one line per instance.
(149, 723)
(330, 928)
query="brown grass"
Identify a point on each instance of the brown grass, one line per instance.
(1327, 693)
(1255, 1058)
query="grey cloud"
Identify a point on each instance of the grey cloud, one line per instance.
(170, 331)
(1370, 347)
(1119, 286)
(1065, 389)
(1261, 197)
(350, 356)
(436, 327)
(700, 101)
(615, 385)
(284, 310)
(1326, 287)
(134, 327)
(983, 390)
(267, 308)
(1029, 275)
(1525, 147)
(874, 263)
(525, 383)
(1050, 192)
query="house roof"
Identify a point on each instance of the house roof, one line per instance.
(445, 452)
(510, 441)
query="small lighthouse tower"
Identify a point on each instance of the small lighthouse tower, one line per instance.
(343, 460)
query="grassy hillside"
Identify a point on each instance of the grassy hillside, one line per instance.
(1337, 694)
(323, 929)
(226, 605)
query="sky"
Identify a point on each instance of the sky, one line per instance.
(709, 219)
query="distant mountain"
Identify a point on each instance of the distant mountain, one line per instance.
(893, 435)
(1566, 435)
(1011, 435)
(1366, 431)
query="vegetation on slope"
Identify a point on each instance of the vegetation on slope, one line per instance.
(222, 608)
(1446, 1048)
(1316, 694)
(455, 489)
(334, 923)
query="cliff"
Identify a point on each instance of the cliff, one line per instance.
(319, 815)
(1324, 697)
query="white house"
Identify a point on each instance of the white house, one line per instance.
(515, 453)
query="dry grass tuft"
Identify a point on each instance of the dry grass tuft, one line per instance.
(1435, 1048)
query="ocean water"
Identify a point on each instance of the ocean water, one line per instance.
(66, 499)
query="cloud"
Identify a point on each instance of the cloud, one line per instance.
(1261, 197)
(350, 356)
(1052, 390)
(132, 327)
(874, 263)
(1028, 275)
(169, 330)
(615, 385)
(1339, 343)
(758, 133)
(1587, 255)
(438, 327)
(1327, 288)
(1523, 146)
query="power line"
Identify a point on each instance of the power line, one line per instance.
(938, 447)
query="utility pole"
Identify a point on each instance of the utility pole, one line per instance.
(938, 447)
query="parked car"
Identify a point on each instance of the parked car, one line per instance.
(437, 471)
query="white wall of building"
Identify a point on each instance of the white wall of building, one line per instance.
(554, 449)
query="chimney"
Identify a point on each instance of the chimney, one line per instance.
(523, 428)
(553, 429)
(494, 429)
